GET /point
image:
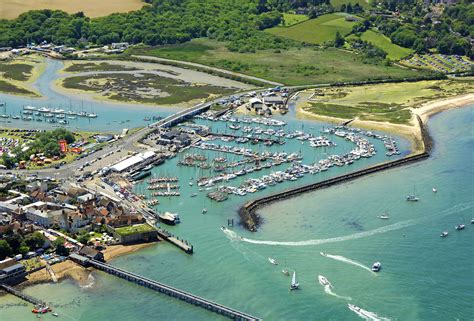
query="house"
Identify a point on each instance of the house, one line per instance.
(91, 253)
(120, 45)
(11, 271)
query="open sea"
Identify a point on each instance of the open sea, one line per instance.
(423, 276)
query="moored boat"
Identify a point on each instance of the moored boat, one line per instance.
(169, 218)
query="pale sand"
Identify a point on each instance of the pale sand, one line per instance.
(411, 132)
(69, 269)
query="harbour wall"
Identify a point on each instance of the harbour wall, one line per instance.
(250, 219)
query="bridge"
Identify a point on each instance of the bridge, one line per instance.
(165, 289)
(21, 295)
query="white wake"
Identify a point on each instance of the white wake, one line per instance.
(348, 261)
(368, 315)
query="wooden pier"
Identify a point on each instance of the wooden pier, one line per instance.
(22, 295)
(183, 245)
(165, 289)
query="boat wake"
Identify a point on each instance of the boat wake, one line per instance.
(90, 282)
(328, 290)
(392, 227)
(348, 261)
(367, 315)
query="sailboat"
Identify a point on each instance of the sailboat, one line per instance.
(412, 197)
(294, 283)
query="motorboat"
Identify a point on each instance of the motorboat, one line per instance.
(285, 272)
(444, 234)
(376, 266)
(434, 190)
(272, 261)
(385, 216)
(194, 195)
(204, 211)
(460, 227)
(55, 314)
(323, 281)
(294, 283)
(323, 254)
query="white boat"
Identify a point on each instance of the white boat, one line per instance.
(323, 254)
(204, 211)
(285, 272)
(434, 190)
(323, 281)
(294, 283)
(55, 314)
(376, 266)
(272, 261)
(385, 216)
(412, 197)
(460, 227)
(444, 234)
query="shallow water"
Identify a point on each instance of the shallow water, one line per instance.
(423, 276)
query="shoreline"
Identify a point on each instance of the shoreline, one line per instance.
(70, 270)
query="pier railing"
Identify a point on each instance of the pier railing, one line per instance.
(21, 295)
(168, 290)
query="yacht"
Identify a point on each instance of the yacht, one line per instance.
(444, 234)
(272, 261)
(376, 266)
(294, 283)
(460, 227)
(323, 281)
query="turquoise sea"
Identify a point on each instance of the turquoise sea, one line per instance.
(423, 276)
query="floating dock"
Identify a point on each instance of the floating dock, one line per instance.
(165, 289)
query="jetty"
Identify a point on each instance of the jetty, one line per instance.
(165, 289)
(21, 295)
(181, 244)
(250, 219)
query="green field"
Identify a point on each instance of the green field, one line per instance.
(394, 52)
(295, 66)
(337, 3)
(292, 19)
(383, 102)
(316, 31)
(134, 229)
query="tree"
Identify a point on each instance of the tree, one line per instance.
(35, 240)
(5, 249)
(349, 8)
(338, 40)
(60, 248)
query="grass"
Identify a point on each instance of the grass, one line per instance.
(134, 229)
(9, 88)
(394, 52)
(290, 19)
(337, 3)
(90, 66)
(295, 66)
(92, 8)
(316, 31)
(16, 71)
(383, 102)
(144, 88)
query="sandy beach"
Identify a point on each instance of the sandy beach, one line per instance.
(69, 269)
(411, 132)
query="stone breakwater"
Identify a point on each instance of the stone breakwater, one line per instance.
(251, 220)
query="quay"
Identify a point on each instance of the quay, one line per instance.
(181, 244)
(250, 219)
(165, 289)
(22, 295)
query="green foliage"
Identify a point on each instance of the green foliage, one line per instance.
(35, 240)
(5, 249)
(338, 40)
(60, 248)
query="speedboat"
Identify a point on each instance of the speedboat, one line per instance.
(285, 272)
(384, 216)
(354, 308)
(472, 221)
(204, 211)
(323, 253)
(444, 234)
(460, 227)
(294, 283)
(376, 266)
(323, 281)
(272, 261)
(434, 190)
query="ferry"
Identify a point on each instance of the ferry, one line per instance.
(444, 234)
(169, 218)
(376, 267)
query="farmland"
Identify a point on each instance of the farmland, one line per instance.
(296, 66)
(315, 31)
(292, 19)
(92, 8)
(394, 52)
